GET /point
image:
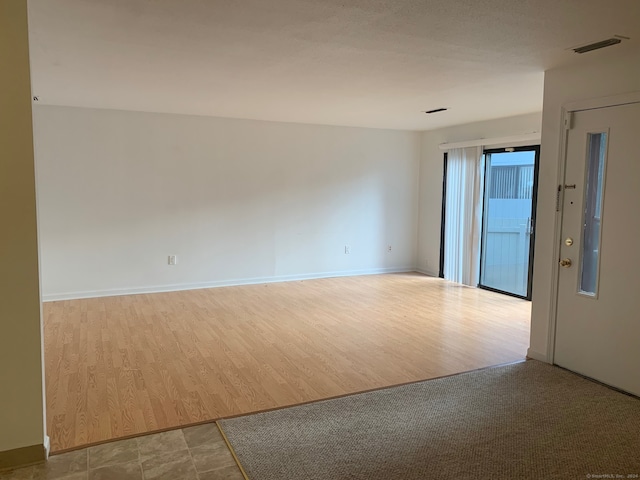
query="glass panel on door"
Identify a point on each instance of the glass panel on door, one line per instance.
(508, 220)
(596, 155)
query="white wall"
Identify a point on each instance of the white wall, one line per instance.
(600, 75)
(236, 200)
(431, 165)
(21, 392)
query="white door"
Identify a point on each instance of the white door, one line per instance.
(598, 315)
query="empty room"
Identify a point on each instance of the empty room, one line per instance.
(301, 239)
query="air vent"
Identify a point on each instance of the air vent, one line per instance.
(436, 110)
(597, 45)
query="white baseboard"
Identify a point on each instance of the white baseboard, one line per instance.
(537, 355)
(219, 283)
(47, 446)
(425, 272)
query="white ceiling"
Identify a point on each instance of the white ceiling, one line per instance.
(370, 63)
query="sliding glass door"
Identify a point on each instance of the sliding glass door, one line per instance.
(506, 259)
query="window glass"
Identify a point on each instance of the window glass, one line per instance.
(594, 187)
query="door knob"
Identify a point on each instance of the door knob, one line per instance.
(565, 262)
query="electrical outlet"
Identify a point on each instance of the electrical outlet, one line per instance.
(388, 248)
(173, 259)
(347, 249)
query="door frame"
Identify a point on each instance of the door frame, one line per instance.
(565, 124)
(443, 216)
(534, 203)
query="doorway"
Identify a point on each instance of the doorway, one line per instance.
(597, 324)
(508, 220)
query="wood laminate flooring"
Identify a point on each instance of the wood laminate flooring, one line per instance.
(122, 366)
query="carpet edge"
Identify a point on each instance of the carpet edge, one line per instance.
(375, 389)
(233, 453)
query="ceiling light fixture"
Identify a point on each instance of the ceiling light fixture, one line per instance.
(436, 110)
(616, 39)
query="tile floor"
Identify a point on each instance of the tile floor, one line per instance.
(194, 453)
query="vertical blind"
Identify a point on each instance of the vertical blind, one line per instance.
(463, 216)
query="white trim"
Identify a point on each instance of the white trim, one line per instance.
(557, 231)
(537, 355)
(602, 102)
(485, 142)
(425, 272)
(218, 283)
(47, 447)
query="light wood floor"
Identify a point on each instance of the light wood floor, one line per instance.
(120, 366)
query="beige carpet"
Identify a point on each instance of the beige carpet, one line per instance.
(527, 420)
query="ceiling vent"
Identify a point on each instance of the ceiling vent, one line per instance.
(436, 110)
(616, 39)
